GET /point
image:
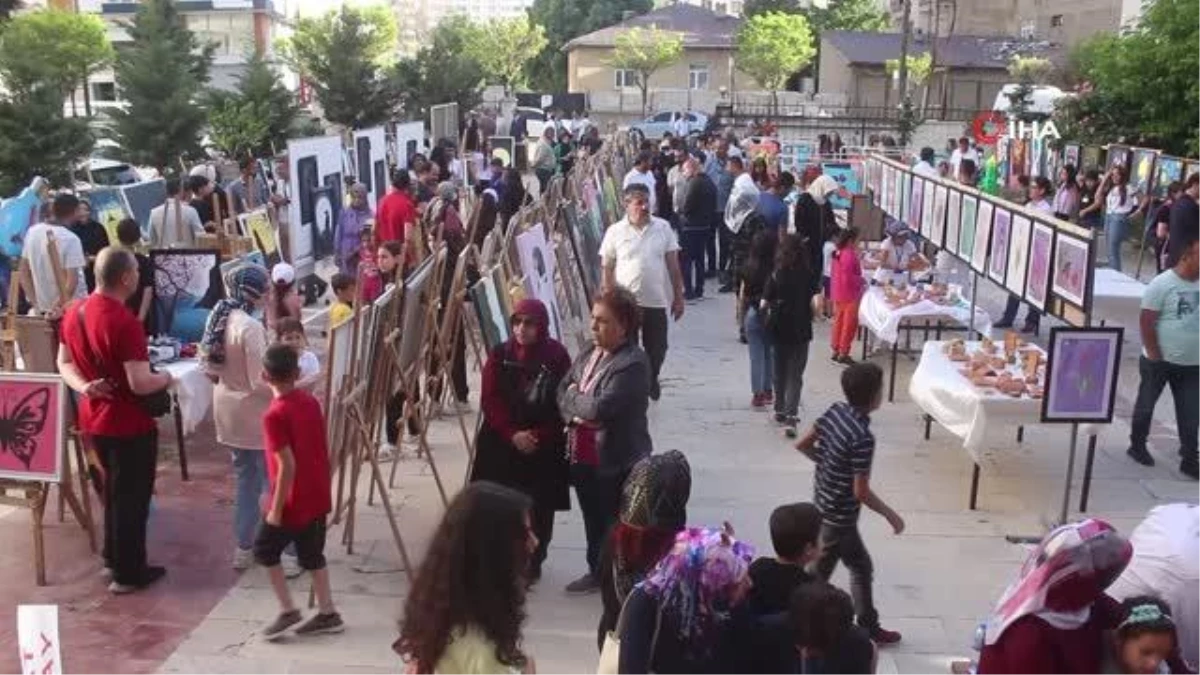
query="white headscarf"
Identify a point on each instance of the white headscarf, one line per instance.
(743, 199)
(821, 187)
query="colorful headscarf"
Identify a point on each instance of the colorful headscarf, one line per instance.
(695, 584)
(653, 510)
(821, 187)
(244, 285)
(1063, 577)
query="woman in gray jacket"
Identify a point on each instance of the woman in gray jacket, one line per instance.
(603, 401)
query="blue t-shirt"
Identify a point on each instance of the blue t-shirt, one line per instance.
(773, 210)
(1177, 302)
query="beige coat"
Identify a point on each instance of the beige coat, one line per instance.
(240, 398)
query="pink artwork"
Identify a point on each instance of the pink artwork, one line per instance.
(1070, 269)
(31, 426)
(1039, 265)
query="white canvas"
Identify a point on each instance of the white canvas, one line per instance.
(1018, 254)
(370, 169)
(409, 139)
(315, 170)
(983, 235)
(537, 265)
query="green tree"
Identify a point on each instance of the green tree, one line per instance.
(260, 89)
(36, 140)
(238, 126)
(161, 74)
(445, 70)
(833, 15)
(1028, 72)
(565, 20)
(918, 67)
(505, 46)
(8, 7)
(53, 48)
(345, 55)
(772, 47)
(646, 51)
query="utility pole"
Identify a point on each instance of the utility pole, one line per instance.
(905, 36)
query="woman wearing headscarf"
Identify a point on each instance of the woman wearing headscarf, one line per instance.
(653, 511)
(684, 618)
(521, 442)
(815, 220)
(356, 217)
(741, 218)
(445, 224)
(512, 197)
(1053, 617)
(232, 349)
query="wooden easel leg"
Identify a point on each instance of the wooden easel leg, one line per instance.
(37, 504)
(183, 461)
(377, 478)
(84, 495)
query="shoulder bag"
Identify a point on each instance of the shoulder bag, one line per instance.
(156, 404)
(610, 653)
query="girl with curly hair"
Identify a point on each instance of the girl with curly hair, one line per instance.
(467, 605)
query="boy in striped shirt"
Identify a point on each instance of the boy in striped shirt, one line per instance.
(842, 445)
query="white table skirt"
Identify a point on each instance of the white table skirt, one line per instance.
(884, 321)
(964, 410)
(1116, 298)
(193, 389)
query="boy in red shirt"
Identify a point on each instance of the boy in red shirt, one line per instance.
(298, 468)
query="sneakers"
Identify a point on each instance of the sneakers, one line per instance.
(1029, 328)
(768, 397)
(1189, 468)
(845, 360)
(780, 419)
(1140, 455)
(725, 288)
(655, 391)
(243, 559)
(789, 427)
(1003, 323)
(881, 636)
(291, 566)
(584, 585)
(149, 576)
(758, 402)
(387, 452)
(284, 621)
(321, 624)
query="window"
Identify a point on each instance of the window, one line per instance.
(624, 79)
(663, 117)
(698, 76)
(1056, 21)
(104, 92)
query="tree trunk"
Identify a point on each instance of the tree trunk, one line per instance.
(933, 50)
(905, 35)
(87, 97)
(644, 87)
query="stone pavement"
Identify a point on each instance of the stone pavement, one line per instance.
(933, 583)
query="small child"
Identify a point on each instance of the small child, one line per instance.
(842, 445)
(1144, 640)
(795, 534)
(370, 283)
(290, 332)
(846, 290)
(298, 468)
(824, 635)
(827, 270)
(342, 309)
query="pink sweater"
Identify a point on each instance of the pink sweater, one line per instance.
(847, 282)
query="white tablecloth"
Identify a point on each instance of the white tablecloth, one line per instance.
(884, 321)
(1116, 298)
(964, 410)
(193, 389)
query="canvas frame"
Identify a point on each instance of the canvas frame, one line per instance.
(1053, 409)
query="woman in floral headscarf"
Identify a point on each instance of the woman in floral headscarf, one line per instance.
(1053, 617)
(681, 619)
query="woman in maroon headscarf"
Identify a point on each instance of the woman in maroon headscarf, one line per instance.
(521, 443)
(1053, 617)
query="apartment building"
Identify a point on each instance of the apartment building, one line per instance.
(1066, 23)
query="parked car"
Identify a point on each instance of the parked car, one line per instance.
(101, 172)
(656, 126)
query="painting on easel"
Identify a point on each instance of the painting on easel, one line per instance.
(32, 426)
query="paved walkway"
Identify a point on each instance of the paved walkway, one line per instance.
(933, 583)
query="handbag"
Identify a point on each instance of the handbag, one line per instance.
(155, 404)
(610, 653)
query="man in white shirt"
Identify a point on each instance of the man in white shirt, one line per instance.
(963, 151)
(925, 166)
(175, 223)
(38, 277)
(680, 125)
(641, 253)
(641, 174)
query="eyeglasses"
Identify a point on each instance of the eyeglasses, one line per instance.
(524, 321)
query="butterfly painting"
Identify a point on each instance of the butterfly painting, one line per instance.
(31, 426)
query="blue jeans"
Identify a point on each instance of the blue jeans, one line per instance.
(1115, 227)
(250, 471)
(694, 241)
(762, 365)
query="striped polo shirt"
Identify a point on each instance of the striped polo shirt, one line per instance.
(845, 448)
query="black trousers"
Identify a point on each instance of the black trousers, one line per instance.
(130, 466)
(1184, 382)
(1013, 306)
(710, 247)
(846, 544)
(654, 340)
(599, 498)
(726, 238)
(393, 411)
(790, 363)
(543, 528)
(694, 241)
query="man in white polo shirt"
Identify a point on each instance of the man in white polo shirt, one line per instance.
(641, 253)
(641, 174)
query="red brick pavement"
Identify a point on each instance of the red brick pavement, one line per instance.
(190, 533)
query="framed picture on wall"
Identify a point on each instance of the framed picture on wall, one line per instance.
(1018, 254)
(938, 231)
(983, 235)
(927, 211)
(1071, 269)
(1081, 374)
(966, 228)
(34, 429)
(913, 217)
(998, 252)
(1037, 282)
(953, 222)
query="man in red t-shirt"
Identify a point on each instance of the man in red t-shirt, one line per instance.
(298, 468)
(103, 357)
(397, 211)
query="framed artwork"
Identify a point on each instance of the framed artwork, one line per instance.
(108, 209)
(32, 426)
(953, 220)
(370, 162)
(998, 252)
(1071, 155)
(1090, 157)
(142, 198)
(503, 148)
(187, 285)
(938, 233)
(416, 286)
(409, 140)
(1081, 374)
(256, 224)
(885, 180)
(983, 236)
(1141, 170)
(1037, 282)
(905, 196)
(315, 175)
(967, 226)
(1169, 170)
(1018, 254)
(18, 213)
(251, 258)
(1116, 155)
(847, 179)
(913, 220)
(537, 265)
(443, 122)
(492, 322)
(1017, 159)
(927, 211)
(1071, 269)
